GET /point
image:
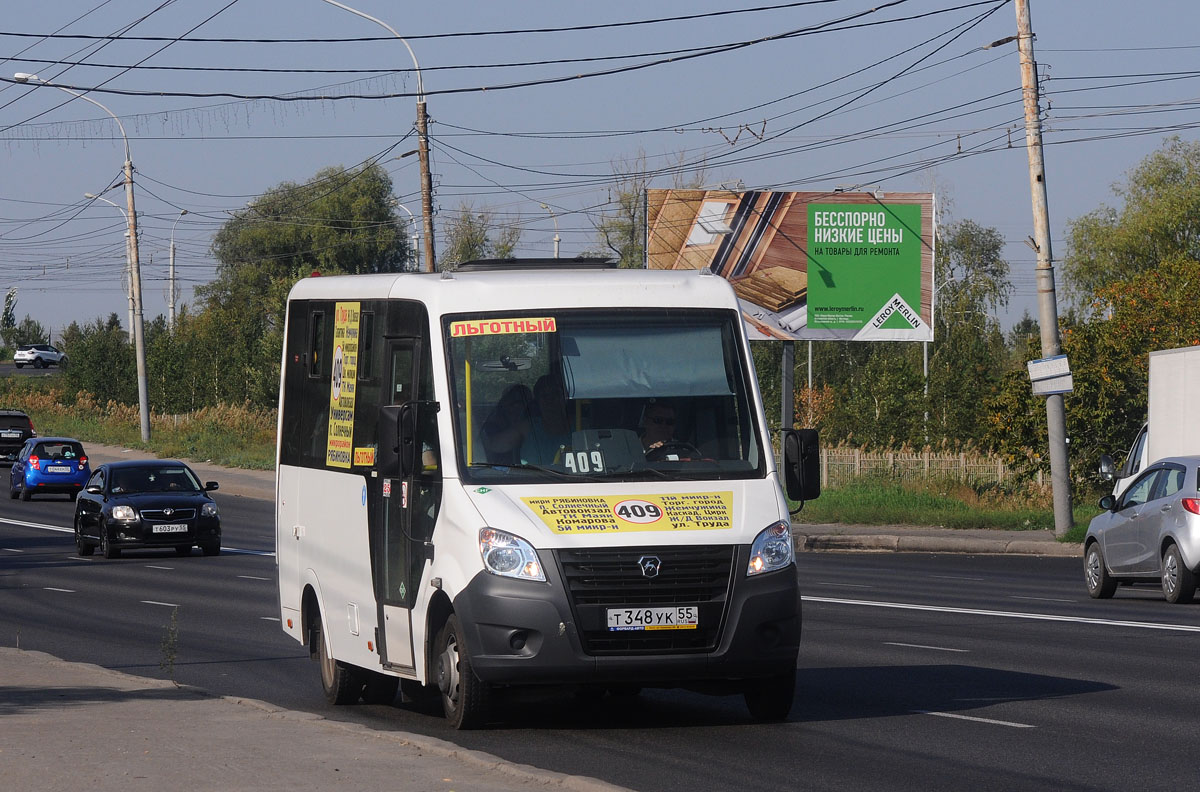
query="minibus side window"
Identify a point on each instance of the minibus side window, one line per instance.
(316, 335)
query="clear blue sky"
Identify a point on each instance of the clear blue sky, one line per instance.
(903, 105)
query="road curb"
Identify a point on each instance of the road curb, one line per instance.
(899, 543)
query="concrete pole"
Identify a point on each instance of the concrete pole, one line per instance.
(1056, 423)
(171, 294)
(139, 339)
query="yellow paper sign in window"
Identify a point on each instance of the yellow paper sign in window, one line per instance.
(342, 386)
(693, 511)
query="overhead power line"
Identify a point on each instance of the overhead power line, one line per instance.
(429, 36)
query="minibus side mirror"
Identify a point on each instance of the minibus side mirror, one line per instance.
(1108, 468)
(409, 453)
(801, 464)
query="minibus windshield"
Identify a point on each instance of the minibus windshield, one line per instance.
(588, 395)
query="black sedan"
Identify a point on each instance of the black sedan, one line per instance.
(146, 504)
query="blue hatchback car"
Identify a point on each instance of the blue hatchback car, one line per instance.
(49, 465)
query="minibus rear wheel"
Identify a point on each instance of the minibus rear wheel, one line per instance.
(464, 696)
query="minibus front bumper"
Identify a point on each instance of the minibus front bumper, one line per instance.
(521, 632)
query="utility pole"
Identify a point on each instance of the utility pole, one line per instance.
(1056, 423)
(426, 183)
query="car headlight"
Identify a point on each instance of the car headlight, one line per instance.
(123, 513)
(509, 556)
(209, 510)
(772, 549)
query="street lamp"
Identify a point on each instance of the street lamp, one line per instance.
(422, 138)
(555, 219)
(171, 278)
(412, 220)
(128, 255)
(135, 272)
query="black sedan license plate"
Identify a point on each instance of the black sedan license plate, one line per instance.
(676, 618)
(169, 528)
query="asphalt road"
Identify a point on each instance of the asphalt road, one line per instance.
(917, 672)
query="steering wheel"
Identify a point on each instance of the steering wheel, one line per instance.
(682, 449)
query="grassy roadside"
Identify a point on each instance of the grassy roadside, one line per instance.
(231, 435)
(947, 504)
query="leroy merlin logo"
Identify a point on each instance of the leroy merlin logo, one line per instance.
(895, 321)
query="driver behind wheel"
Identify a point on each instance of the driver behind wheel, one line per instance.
(658, 424)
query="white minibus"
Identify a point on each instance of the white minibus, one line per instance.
(538, 472)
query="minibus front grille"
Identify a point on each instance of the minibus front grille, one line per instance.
(598, 579)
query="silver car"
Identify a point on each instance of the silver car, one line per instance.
(1151, 531)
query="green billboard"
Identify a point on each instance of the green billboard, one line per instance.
(864, 271)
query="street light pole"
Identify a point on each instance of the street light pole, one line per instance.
(128, 255)
(413, 220)
(422, 138)
(555, 219)
(135, 272)
(171, 276)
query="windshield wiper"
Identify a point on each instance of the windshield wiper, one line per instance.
(528, 466)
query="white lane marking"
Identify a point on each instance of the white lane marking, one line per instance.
(1040, 599)
(43, 526)
(11, 550)
(166, 604)
(152, 566)
(60, 529)
(64, 591)
(267, 553)
(955, 577)
(269, 618)
(1010, 614)
(922, 646)
(845, 585)
(252, 577)
(977, 720)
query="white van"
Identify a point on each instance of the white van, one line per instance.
(533, 473)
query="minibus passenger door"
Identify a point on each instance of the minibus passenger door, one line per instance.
(410, 498)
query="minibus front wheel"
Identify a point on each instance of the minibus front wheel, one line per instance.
(770, 699)
(464, 695)
(341, 683)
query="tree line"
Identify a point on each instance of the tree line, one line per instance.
(1131, 275)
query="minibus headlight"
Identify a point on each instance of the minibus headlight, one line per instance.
(509, 556)
(772, 549)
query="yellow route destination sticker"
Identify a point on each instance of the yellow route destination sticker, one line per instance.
(694, 511)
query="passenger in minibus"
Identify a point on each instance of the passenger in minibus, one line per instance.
(550, 429)
(505, 429)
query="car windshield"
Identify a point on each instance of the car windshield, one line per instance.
(582, 395)
(156, 479)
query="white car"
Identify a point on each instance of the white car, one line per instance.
(38, 356)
